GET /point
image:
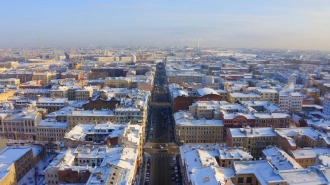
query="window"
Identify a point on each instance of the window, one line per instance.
(249, 180)
(240, 180)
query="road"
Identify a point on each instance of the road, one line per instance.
(160, 162)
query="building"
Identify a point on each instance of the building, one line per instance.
(205, 109)
(76, 74)
(84, 93)
(33, 93)
(290, 101)
(235, 97)
(181, 98)
(200, 165)
(33, 84)
(8, 173)
(91, 164)
(76, 116)
(45, 77)
(307, 156)
(22, 75)
(180, 77)
(280, 159)
(51, 130)
(51, 104)
(20, 125)
(118, 82)
(94, 134)
(253, 140)
(9, 81)
(23, 160)
(313, 93)
(326, 104)
(191, 130)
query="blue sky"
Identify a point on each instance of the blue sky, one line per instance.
(288, 24)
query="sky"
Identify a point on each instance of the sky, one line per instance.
(285, 24)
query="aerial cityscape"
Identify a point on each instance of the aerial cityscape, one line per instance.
(165, 93)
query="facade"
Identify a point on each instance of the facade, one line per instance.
(45, 77)
(253, 139)
(51, 130)
(20, 125)
(290, 101)
(84, 93)
(51, 104)
(76, 116)
(191, 130)
(33, 93)
(326, 104)
(9, 81)
(235, 97)
(118, 82)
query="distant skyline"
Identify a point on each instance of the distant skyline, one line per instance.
(283, 24)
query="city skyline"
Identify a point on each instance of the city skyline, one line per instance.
(257, 24)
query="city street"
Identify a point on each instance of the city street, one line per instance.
(160, 149)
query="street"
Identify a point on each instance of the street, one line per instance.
(161, 165)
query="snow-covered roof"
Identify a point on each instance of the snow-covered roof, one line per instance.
(262, 170)
(252, 132)
(206, 91)
(280, 159)
(308, 152)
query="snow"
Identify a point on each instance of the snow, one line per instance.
(262, 170)
(311, 176)
(206, 91)
(304, 153)
(247, 132)
(280, 159)
(11, 154)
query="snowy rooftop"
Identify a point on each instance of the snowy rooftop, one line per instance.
(234, 153)
(205, 91)
(43, 100)
(11, 154)
(308, 152)
(280, 159)
(211, 175)
(49, 122)
(4, 169)
(240, 95)
(262, 170)
(252, 132)
(261, 105)
(310, 176)
(81, 112)
(79, 131)
(184, 118)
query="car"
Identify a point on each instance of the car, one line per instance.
(173, 178)
(166, 144)
(176, 167)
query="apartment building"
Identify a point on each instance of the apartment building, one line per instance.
(33, 93)
(307, 156)
(20, 125)
(51, 130)
(280, 159)
(313, 93)
(9, 81)
(326, 104)
(45, 77)
(180, 77)
(102, 133)
(76, 116)
(84, 93)
(235, 97)
(85, 159)
(290, 101)
(205, 109)
(118, 82)
(51, 104)
(59, 92)
(253, 140)
(191, 130)
(228, 155)
(20, 160)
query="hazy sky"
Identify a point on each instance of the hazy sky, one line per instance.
(289, 24)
